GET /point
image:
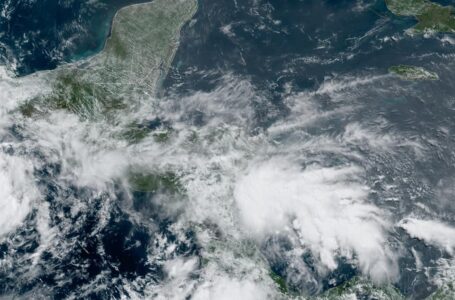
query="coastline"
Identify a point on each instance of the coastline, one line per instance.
(106, 35)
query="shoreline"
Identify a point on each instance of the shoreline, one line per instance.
(102, 46)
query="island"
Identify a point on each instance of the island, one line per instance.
(431, 16)
(407, 72)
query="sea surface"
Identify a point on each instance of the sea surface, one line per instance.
(311, 161)
(39, 35)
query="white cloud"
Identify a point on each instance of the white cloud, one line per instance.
(431, 232)
(325, 205)
(17, 192)
(89, 155)
(369, 138)
(178, 284)
(227, 289)
(180, 268)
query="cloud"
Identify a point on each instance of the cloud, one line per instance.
(17, 192)
(431, 232)
(225, 288)
(326, 206)
(89, 156)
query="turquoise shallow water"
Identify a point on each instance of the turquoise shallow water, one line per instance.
(288, 100)
(39, 35)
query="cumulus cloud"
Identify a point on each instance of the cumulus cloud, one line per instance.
(326, 206)
(369, 138)
(17, 191)
(224, 288)
(89, 156)
(178, 285)
(431, 232)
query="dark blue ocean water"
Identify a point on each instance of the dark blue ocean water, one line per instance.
(39, 35)
(277, 44)
(274, 44)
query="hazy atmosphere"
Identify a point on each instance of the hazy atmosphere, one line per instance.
(227, 149)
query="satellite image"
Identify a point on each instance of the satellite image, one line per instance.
(227, 149)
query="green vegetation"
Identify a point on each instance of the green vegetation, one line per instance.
(358, 288)
(407, 7)
(74, 94)
(413, 73)
(28, 109)
(138, 53)
(162, 136)
(436, 18)
(135, 133)
(142, 44)
(361, 288)
(430, 16)
(280, 282)
(147, 182)
(447, 292)
(116, 46)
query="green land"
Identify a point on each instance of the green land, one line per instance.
(413, 73)
(135, 59)
(360, 288)
(446, 292)
(280, 282)
(431, 16)
(153, 183)
(107, 86)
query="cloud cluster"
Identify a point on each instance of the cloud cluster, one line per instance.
(228, 288)
(326, 206)
(432, 232)
(17, 192)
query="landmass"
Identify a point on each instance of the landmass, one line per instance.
(431, 16)
(136, 57)
(413, 73)
(359, 288)
(109, 86)
(445, 292)
(152, 183)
